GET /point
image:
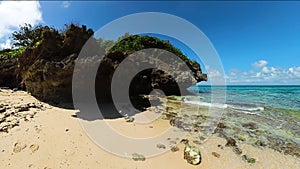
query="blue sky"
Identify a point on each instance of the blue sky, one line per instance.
(257, 42)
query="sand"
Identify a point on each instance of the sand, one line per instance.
(54, 138)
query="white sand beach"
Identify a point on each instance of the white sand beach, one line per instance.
(53, 138)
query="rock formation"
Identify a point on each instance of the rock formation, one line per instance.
(47, 67)
(174, 81)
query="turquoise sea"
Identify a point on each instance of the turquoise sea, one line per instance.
(260, 115)
(247, 97)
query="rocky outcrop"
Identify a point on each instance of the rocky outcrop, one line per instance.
(50, 80)
(47, 69)
(169, 75)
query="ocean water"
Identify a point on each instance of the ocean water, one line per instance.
(251, 97)
(273, 112)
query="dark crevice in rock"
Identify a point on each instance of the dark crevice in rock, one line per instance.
(8, 73)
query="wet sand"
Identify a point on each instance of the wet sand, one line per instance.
(53, 138)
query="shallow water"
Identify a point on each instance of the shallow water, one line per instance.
(263, 116)
(285, 97)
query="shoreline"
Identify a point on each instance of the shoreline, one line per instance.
(54, 138)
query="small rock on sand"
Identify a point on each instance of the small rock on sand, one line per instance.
(248, 159)
(251, 160)
(192, 155)
(34, 148)
(184, 141)
(129, 119)
(18, 147)
(230, 142)
(38, 130)
(4, 126)
(237, 150)
(216, 154)
(174, 148)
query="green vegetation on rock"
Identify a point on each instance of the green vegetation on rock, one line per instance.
(11, 53)
(129, 44)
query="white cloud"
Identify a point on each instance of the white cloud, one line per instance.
(215, 77)
(6, 44)
(294, 71)
(15, 13)
(66, 4)
(265, 75)
(267, 70)
(260, 64)
(213, 73)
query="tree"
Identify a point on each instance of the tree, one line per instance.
(107, 44)
(126, 35)
(27, 35)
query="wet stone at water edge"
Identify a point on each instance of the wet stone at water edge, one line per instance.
(248, 159)
(161, 146)
(138, 157)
